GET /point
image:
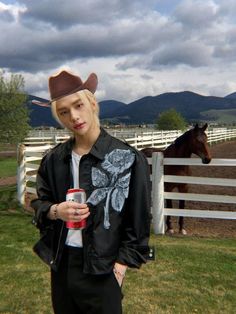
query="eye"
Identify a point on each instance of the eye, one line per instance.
(78, 105)
(63, 113)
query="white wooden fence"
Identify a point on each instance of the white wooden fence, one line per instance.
(160, 139)
(29, 157)
(160, 195)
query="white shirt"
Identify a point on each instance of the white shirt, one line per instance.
(74, 237)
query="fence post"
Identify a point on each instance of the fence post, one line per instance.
(135, 140)
(158, 193)
(21, 174)
(55, 139)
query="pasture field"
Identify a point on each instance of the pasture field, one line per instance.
(8, 167)
(8, 194)
(190, 274)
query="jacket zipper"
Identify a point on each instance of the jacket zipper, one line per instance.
(59, 241)
(63, 223)
(58, 247)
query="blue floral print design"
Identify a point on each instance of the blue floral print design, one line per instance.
(112, 183)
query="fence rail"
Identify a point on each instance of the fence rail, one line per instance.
(160, 195)
(160, 139)
(30, 154)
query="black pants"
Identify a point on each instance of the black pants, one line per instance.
(76, 293)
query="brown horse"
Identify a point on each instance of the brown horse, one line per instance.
(194, 141)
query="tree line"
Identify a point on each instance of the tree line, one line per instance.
(14, 114)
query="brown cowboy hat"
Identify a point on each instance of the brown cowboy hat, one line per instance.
(65, 83)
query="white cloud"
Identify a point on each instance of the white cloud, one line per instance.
(137, 48)
(196, 13)
(192, 53)
(12, 11)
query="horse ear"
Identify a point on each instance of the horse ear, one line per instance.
(205, 126)
(196, 126)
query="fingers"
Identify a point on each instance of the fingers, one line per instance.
(71, 204)
(119, 280)
(81, 211)
(78, 214)
(73, 211)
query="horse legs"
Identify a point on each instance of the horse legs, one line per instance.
(169, 229)
(181, 219)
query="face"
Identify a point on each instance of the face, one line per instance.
(201, 147)
(76, 114)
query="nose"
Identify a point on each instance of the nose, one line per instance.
(74, 115)
(206, 160)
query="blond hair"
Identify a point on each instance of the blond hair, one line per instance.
(87, 98)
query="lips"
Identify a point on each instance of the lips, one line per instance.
(79, 126)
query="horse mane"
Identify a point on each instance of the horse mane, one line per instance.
(182, 138)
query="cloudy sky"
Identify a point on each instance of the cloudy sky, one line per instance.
(137, 48)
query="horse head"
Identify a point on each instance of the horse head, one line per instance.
(199, 143)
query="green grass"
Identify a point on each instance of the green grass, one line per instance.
(190, 275)
(220, 115)
(8, 167)
(8, 197)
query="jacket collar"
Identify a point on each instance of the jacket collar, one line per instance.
(98, 150)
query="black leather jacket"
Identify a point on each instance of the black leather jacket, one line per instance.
(116, 179)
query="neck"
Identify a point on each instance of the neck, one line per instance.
(184, 151)
(84, 143)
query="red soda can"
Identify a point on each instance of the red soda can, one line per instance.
(79, 196)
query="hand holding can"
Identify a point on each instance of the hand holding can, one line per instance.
(79, 196)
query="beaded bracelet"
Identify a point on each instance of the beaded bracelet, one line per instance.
(54, 212)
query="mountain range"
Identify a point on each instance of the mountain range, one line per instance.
(192, 106)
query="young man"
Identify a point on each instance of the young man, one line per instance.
(88, 266)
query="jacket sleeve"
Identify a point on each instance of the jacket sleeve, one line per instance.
(137, 217)
(44, 200)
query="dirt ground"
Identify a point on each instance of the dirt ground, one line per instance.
(200, 226)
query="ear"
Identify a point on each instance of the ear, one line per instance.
(205, 126)
(196, 127)
(93, 104)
